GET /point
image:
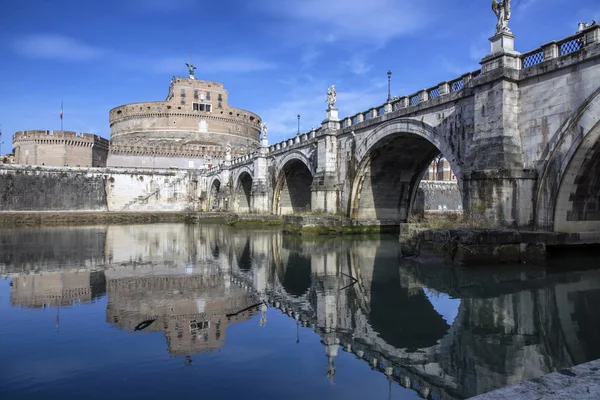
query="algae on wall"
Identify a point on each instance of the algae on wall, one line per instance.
(51, 191)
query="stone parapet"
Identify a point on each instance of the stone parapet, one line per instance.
(74, 138)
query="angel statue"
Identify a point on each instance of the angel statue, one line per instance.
(264, 129)
(331, 97)
(191, 68)
(502, 11)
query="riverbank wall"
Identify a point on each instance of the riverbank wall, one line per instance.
(478, 246)
(71, 189)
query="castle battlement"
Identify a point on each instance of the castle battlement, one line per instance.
(60, 148)
(57, 137)
(194, 126)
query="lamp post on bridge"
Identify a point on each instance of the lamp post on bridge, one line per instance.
(298, 124)
(389, 74)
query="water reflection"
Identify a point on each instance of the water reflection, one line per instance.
(444, 333)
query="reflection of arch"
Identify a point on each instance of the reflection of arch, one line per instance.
(297, 278)
(569, 162)
(406, 147)
(243, 191)
(292, 192)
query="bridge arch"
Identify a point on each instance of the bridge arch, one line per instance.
(568, 190)
(215, 194)
(391, 162)
(292, 190)
(242, 195)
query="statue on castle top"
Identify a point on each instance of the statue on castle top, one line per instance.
(191, 68)
(331, 97)
(584, 25)
(502, 11)
(263, 130)
(228, 150)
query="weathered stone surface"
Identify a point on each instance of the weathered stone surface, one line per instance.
(579, 383)
(42, 189)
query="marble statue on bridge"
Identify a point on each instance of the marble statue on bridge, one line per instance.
(331, 97)
(263, 130)
(502, 11)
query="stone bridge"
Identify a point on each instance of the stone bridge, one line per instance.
(522, 135)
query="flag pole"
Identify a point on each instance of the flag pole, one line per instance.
(61, 115)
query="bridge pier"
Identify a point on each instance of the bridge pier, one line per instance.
(497, 185)
(260, 188)
(325, 187)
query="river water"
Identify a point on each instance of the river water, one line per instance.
(176, 311)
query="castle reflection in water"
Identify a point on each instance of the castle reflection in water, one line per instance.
(446, 333)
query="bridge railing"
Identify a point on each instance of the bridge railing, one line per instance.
(300, 138)
(560, 48)
(415, 99)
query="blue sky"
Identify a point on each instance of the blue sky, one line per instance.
(276, 57)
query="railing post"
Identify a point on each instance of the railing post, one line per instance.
(466, 79)
(388, 108)
(403, 102)
(550, 51)
(360, 118)
(347, 122)
(423, 96)
(444, 88)
(593, 36)
(373, 112)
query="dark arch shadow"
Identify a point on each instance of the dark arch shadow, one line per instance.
(214, 196)
(293, 190)
(243, 193)
(389, 176)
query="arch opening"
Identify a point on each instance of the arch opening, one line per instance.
(577, 206)
(401, 174)
(243, 193)
(293, 191)
(214, 200)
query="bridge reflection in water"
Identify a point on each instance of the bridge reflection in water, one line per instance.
(443, 332)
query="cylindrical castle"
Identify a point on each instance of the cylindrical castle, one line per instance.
(192, 128)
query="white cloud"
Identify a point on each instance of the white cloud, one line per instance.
(309, 57)
(306, 96)
(337, 20)
(357, 65)
(235, 64)
(56, 47)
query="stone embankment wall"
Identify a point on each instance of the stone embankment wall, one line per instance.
(42, 189)
(437, 196)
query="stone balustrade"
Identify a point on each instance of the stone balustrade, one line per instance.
(560, 48)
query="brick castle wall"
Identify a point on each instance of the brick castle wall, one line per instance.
(60, 148)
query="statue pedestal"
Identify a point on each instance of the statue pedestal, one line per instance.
(332, 122)
(332, 115)
(504, 41)
(503, 53)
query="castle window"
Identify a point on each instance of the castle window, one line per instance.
(219, 105)
(182, 101)
(182, 92)
(220, 97)
(196, 94)
(207, 95)
(202, 107)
